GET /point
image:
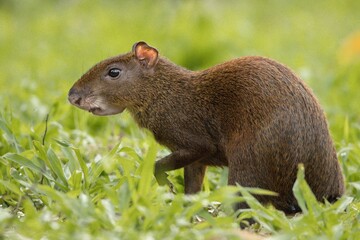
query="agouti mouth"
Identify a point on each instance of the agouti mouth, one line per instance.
(94, 109)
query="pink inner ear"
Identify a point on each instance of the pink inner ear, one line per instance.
(146, 53)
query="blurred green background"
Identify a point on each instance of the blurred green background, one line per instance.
(45, 46)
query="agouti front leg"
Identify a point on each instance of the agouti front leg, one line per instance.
(179, 159)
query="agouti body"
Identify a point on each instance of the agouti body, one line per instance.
(251, 114)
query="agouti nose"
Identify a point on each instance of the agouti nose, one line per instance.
(74, 97)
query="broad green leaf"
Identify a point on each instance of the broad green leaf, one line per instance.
(40, 149)
(73, 162)
(108, 161)
(83, 166)
(5, 128)
(12, 187)
(27, 163)
(147, 169)
(75, 180)
(96, 168)
(56, 166)
(303, 194)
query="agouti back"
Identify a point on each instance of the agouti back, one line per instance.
(251, 114)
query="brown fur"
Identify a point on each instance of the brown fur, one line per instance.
(251, 114)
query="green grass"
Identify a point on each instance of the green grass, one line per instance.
(91, 177)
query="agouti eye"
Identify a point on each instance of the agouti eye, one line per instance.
(114, 72)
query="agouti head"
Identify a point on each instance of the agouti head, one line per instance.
(115, 83)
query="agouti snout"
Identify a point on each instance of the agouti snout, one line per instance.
(251, 114)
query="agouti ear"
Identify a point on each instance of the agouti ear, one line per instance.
(145, 54)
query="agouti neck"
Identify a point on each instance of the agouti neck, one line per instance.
(165, 84)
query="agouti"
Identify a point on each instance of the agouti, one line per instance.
(251, 114)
